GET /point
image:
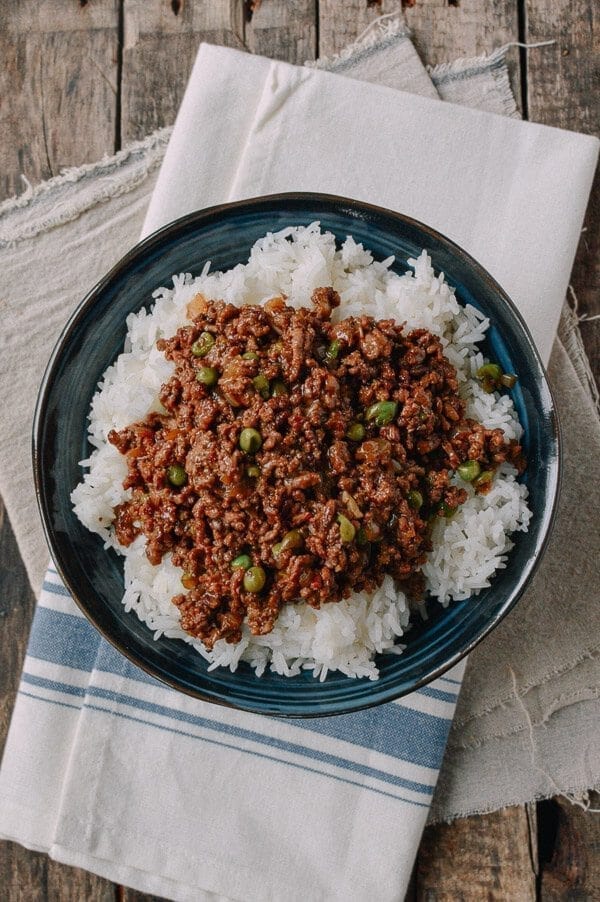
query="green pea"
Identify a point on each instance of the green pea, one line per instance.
(447, 510)
(278, 389)
(188, 580)
(356, 432)
(207, 375)
(176, 475)
(347, 529)
(484, 479)
(203, 344)
(253, 471)
(469, 470)
(241, 562)
(361, 537)
(508, 380)
(276, 549)
(415, 500)
(250, 440)
(261, 384)
(489, 371)
(254, 579)
(333, 350)
(250, 355)
(382, 413)
(291, 540)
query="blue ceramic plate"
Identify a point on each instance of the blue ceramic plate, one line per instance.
(94, 337)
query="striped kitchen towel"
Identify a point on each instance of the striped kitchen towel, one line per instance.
(143, 785)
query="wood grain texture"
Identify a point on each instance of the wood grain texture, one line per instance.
(66, 884)
(160, 43)
(441, 31)
(342, 21)
(478, 858)
(284, 30)
(59, 69)
(33, 877)
(444, 32)
(563, 89)
(132, 895)
(23, 874)
(573, 871)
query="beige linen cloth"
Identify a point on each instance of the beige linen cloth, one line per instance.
(528, 718)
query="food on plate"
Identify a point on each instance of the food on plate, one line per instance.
(291, 454)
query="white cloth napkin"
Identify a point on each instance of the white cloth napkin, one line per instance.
(511, 193)
(193, 802)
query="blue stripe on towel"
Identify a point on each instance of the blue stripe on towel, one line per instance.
(228, 746)
(230, 730)
(56, 589)
(63, 639)
(392, 729)
(438, 693)
(56, 685)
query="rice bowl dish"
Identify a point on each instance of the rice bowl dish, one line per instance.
(467, 548)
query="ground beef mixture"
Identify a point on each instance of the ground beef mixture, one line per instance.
(297, 459)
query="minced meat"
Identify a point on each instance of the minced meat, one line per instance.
(351, 434)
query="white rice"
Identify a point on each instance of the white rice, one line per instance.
(468, 549)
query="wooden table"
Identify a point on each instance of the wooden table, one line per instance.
(81, 78)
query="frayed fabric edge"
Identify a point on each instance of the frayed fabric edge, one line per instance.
(385, 29)
(110, 177)
(460, 66)
(570, 333)
(578, 795)
(494, 64)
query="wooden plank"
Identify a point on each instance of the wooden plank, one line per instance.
(60, 72)
(342, 21)
(132, 895)
(66, 884)
(562, 90)
(283, 29)
(573, 870)
(442, 31)
(478, 858)
(23, 873)
(160, 42)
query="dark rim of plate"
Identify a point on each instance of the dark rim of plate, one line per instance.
(354, 209)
